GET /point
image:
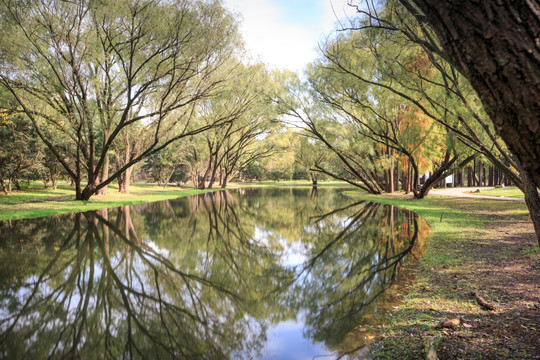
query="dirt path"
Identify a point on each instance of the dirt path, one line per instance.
(463, 192)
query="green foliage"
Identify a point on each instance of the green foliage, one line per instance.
(124, 78)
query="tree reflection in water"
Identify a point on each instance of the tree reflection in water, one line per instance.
(202, 277)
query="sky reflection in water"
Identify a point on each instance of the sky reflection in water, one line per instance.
(256, 273)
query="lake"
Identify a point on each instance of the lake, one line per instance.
(257, 273)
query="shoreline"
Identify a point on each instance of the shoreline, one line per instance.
(476, 245)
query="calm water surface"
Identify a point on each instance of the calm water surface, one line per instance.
(256, 273)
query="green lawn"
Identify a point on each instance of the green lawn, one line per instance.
(509, 191)
(35, 201)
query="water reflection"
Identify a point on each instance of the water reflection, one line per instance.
(207, 276)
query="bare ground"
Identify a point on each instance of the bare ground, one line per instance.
(501, 262)
(509, 280)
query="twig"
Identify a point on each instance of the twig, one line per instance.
(483, 303)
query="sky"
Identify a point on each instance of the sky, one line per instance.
(284, 33)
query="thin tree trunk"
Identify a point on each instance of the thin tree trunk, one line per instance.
(124, 181)
(224, 182)
(390, 179)
(481, 174)
(313, 178)
(17, 184)
(206, 173)
(213, 176)
(104, 175)
(407, 178)
(170, 177)
(396, 176)
(532, 199)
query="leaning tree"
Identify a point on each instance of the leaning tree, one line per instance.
(401, 19)
(495, 44)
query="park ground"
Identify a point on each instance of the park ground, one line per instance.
(476, 244)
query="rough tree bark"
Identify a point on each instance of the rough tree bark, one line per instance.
(495, 44)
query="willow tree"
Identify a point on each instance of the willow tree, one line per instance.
(102, 72)
(350, 157)
(235, 145)
(352, 80)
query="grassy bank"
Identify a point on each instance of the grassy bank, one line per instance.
(476, 245)
(509, 191)
(35, 201)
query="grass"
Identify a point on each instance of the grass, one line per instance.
(467, 237)
(451, 219)
(34, 201)
(509, 191)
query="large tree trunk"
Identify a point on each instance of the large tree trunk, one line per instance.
(4, 187)
(78, 191)
(495, 45)
(405, 180)
(206, 174)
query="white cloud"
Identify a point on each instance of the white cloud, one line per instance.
(286, 44)
(279, 44)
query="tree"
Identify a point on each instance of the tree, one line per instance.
(98, 72)
(351, 160)
(235, 145)
(19, 150)
(495, 45)
(351, 78)
(311, 155)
